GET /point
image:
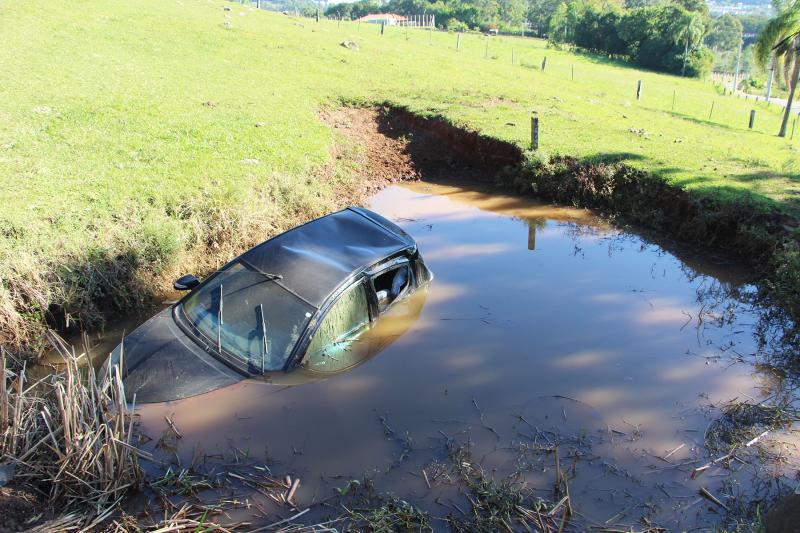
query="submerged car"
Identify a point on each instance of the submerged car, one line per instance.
(297, 301)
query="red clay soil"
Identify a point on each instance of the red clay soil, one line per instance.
(381, 159)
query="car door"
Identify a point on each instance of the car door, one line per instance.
(335, 345)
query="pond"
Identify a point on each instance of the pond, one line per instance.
(544, 327)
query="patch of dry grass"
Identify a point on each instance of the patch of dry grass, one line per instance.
(70, 438)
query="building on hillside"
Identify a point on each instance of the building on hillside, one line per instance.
(390, 19)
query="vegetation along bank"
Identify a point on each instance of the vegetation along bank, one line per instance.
(179, 133)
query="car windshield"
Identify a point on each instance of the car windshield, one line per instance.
(249, 315)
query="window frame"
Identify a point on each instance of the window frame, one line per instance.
(384, 267)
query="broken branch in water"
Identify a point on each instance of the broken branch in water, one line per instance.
(172, 427)
(673, 451)
(292, 490)
(483, 422)
(712, 498)
(729, 455)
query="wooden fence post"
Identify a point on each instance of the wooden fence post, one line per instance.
(673, 99)
(486, 52)
(573, 73)
(752, 119)
(535, 131)
(639, 90)
(544, 63)
(382, 26)
(712, 110)
(458, 41)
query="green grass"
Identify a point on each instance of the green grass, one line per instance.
(107, 146)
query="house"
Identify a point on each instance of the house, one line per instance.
(390, 19)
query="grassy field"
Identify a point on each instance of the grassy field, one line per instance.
(139, 136)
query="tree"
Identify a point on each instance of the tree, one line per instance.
(558, 24)
(597, 31)
(632, 4)
(540, 12)
(512, 12)
(726, 33)
(689, 29)
(780, 39)
(752, 26)
(695, 6)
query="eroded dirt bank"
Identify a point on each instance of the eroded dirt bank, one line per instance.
(388, 146)
(431, 146)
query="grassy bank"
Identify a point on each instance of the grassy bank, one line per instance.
(140, 139)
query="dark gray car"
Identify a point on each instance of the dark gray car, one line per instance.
(300, 299)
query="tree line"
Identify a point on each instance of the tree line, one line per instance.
(677, 36)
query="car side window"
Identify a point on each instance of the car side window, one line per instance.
(331, 348)
(391, 284)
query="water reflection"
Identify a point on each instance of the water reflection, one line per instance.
(544, 326)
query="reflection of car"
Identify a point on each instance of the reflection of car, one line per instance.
(300, 299)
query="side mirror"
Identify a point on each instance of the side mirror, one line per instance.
(186, 283)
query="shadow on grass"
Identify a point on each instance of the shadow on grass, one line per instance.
(701, 121)
(613, 157)
(747, 194)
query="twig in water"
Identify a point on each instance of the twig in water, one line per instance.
(172, 427)
(712, 498)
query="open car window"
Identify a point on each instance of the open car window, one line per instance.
(391, 284)
(332, 347)
(249, 315)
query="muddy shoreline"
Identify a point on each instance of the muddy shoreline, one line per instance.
(766, 240)
(392, 144)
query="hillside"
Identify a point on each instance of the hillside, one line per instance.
(139, 136)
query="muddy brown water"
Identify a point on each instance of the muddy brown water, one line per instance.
(543, 325)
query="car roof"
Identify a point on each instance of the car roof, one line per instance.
(316, 258)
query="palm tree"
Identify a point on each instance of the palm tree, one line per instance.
(780, 41)
(690, 29)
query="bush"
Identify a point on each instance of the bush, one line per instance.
(699, 62)
(457, 25)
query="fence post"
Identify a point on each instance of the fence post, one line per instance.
(486, 52)
(712, 110)
(458, 41)
(752, 119)
(535, 131)
(639, 90)
(544, 63)
(382, 26)
(794, 124)
(317, 14)
(573, 72)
